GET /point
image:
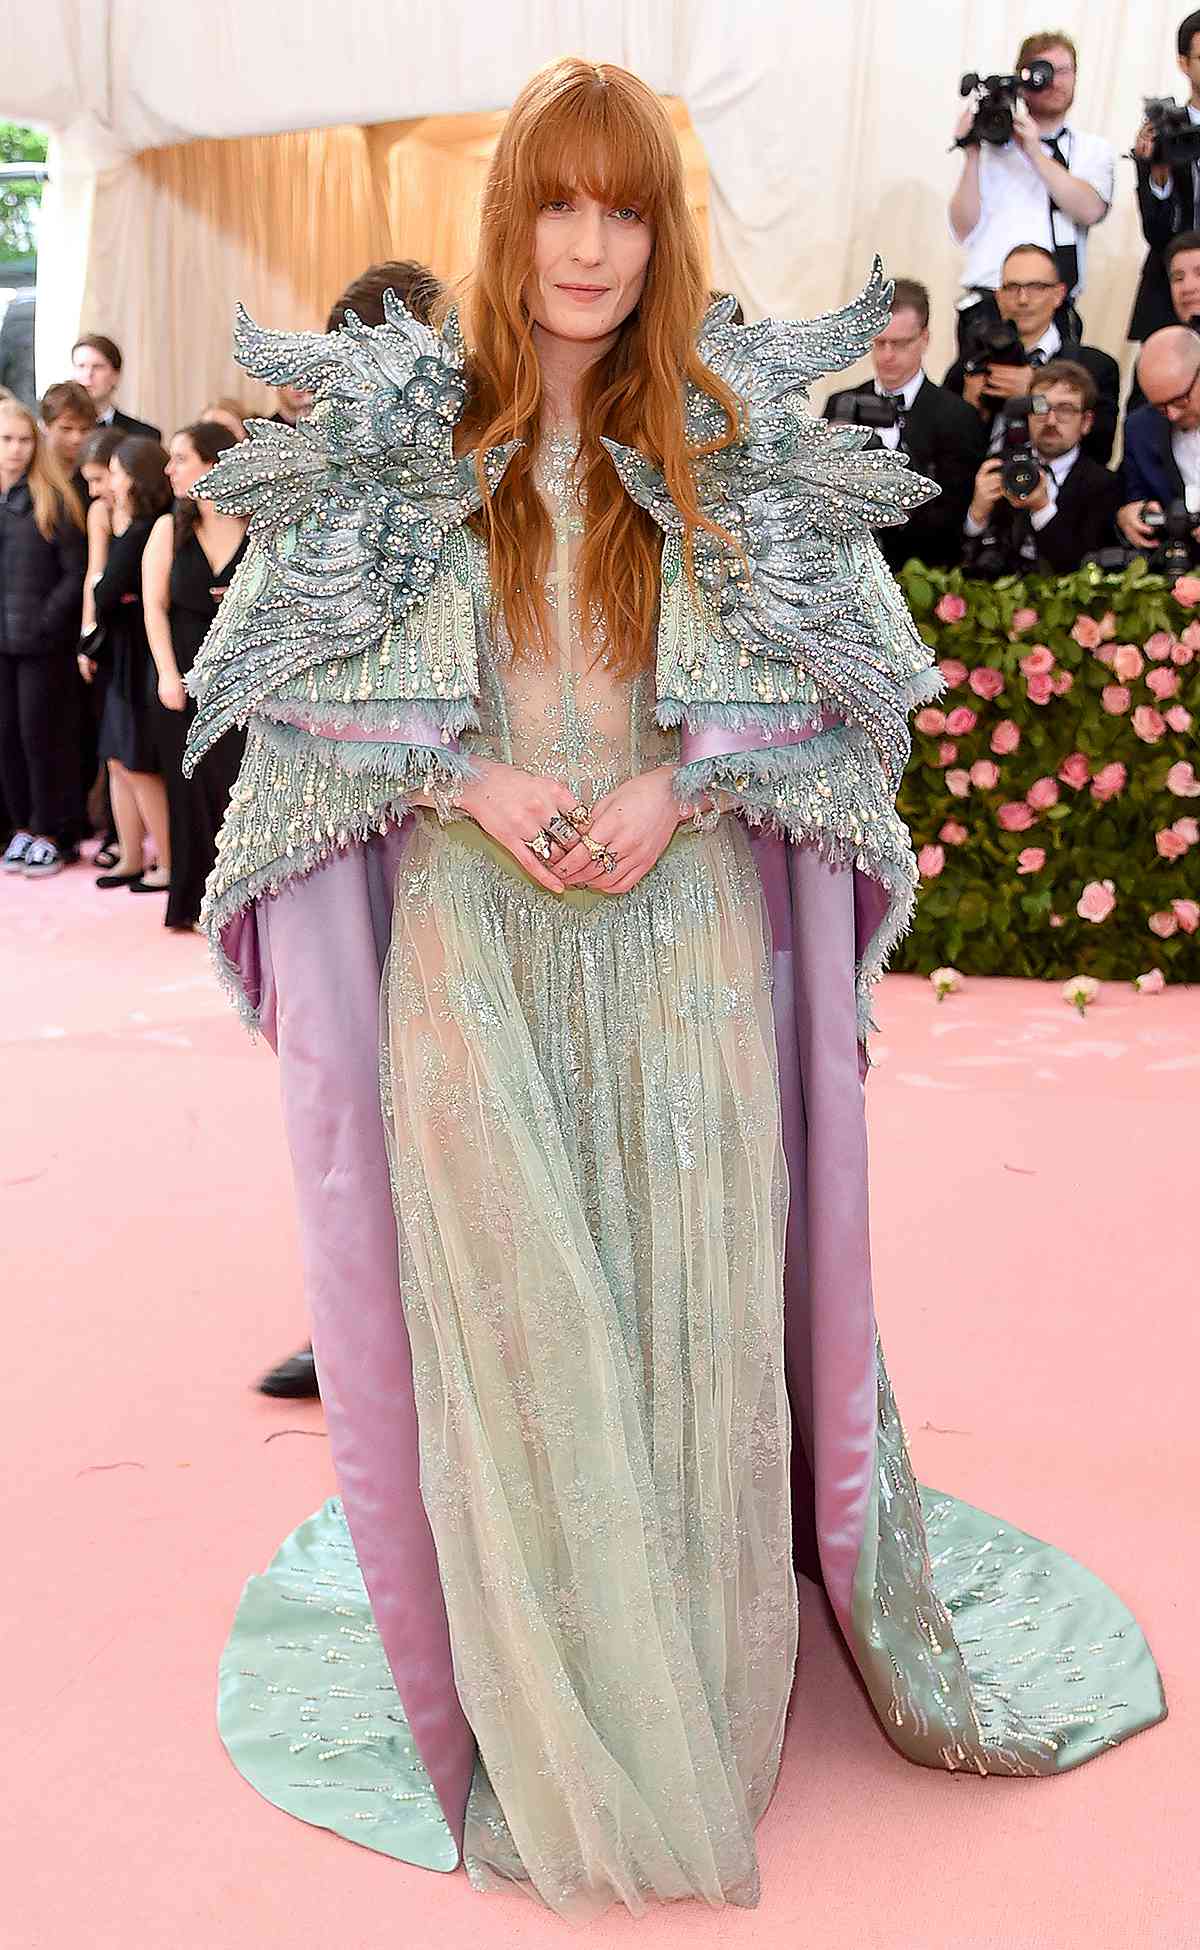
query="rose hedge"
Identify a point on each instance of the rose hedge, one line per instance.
(1053, 792)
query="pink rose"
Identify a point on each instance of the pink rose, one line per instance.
(959, 783)
(1182, 654)
(1031, 859)
(985, 774)
(1187, 829)
(1105, 654)
(1086, 632)
(1191, 636)
(930, 721)
(1164, 925)
(1162, 683)
(1041, 794)
(1187, 591)
(1024, 619)
(1109, 780)
(1039, 689)
(1015, 816)
(1179, 718)
(1056, 920)
(1076, 770)
(953, 672)
(1128, 662)
(1115, 699)
(953, 834)
(1159, 646)
(961, 721)
(930, 861)
(1108, 625)
(1148, 724)
(1061, 682)
(1171, 845)
(986, 682)
(1096, 902)
(947, 752)
(1182, 780)
(1005, 738)
(951, 609)
(1187, 914)
(1152, 983)
(1038, 662)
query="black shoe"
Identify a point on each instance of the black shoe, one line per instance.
(139, 886)
(296, 1377)
(118, 879)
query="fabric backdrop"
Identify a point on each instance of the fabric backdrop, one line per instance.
(826, 134)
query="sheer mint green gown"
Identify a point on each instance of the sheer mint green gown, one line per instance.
(588, 1169)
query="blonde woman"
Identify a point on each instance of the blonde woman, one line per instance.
(42, 554)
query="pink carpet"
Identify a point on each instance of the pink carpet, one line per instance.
(1036, 1185)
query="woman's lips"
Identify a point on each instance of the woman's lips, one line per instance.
(584, 292)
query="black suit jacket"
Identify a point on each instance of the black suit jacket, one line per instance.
(1084, 520)
(127, 424)
(1107, 374)
(1149, 469)
(945, 440)
(1163, 217)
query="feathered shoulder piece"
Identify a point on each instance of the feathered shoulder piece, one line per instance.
(797, 615)
(352, 615)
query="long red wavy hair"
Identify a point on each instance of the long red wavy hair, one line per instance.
(577, 127)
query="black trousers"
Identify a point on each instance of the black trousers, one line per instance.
(39, 745)
(195, 807)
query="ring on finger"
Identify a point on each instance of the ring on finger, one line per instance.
(580, 816)
(608, 860)
(541, 844)
(561, 830)
(593, 846)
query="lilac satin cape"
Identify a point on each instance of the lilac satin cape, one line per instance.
(311, 959)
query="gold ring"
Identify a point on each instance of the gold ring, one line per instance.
(541, 844)
(593, 846)
(561, 830)
(580, 816)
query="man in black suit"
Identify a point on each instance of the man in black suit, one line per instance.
(1162, 438)
(1167, 201)
(942, 437)
(96, 363)
(1029, 294)
(1072, 510)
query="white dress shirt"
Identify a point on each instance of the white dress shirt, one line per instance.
(1048, 347)
(1186, 449)
(903, 398)
(1014, 205)
(1054, 473)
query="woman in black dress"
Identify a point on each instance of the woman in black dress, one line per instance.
(128, 733)
(189, 561)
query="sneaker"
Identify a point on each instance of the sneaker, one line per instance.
(14, 856)
(41, 857)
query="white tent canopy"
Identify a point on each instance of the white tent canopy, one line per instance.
(826, 132)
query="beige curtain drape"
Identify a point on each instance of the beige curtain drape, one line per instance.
(282, 223)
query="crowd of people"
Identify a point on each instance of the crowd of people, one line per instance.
(1020, 434)
(111, 570)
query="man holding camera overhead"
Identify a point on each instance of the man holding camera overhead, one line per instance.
(1167, 155)
(1040, 502)
(1025, 334)
(1027, 174)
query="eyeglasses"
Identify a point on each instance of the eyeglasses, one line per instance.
(1179, 401)
(1059, 411)
(1032, 285)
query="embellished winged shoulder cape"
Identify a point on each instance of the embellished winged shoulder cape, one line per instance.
(358, 647)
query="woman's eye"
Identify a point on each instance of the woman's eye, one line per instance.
(627, 214)
(556, 204)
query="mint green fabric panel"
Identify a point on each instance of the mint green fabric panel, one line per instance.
(307, 1707)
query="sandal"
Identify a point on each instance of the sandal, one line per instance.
(107, 857)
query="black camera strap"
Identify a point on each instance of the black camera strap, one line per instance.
(1066, 256)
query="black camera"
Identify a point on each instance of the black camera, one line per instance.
(1020, 466)
(996, 98)
(1174, 549)
(864, 410)
(992, 342)
(1176, 136)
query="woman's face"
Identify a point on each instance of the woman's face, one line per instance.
(65, 436)
(184, 465)
(589, 267)
(16, 446)
(99, 481)
(121, 485)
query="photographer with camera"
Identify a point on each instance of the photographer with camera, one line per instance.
(944, 440)
(1000, 352)
(1167, 156)
(1026, 174)
(1040, 502)
(1161, 471)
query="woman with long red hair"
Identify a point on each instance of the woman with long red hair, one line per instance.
(576, 694)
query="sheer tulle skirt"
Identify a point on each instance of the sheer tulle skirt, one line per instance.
(583, 1116)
